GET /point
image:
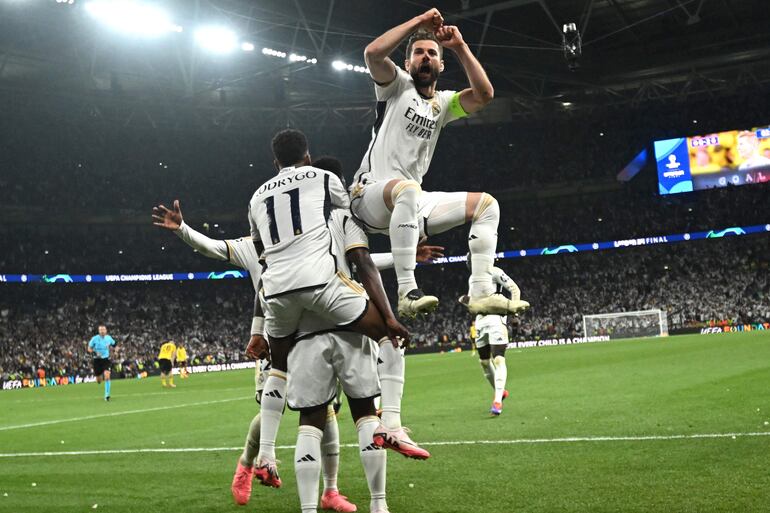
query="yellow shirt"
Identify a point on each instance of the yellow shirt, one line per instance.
(167, 351)
(181, 354)
(473, 332)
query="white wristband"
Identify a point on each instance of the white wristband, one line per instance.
(257, 325)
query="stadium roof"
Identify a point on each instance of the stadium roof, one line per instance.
(633, 51)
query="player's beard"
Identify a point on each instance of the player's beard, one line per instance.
(424, 80)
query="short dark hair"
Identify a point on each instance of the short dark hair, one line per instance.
(422, 35)
(289, 147)
(330, 164)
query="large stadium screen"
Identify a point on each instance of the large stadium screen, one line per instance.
(737, 157)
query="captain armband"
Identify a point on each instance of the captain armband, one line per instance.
(455, 107)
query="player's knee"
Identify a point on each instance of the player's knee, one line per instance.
(499, 360)
(487, 209)
(360, 408)
(314, 416)
(406, 192)
(484, 362)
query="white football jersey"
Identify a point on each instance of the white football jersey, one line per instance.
(503, 282)
(347, 234)
(289, 215)
(242, 253)
(406, 130)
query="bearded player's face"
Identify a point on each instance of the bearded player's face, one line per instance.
(425, 64)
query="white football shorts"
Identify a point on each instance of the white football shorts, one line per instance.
(317, 362)
(342, 302)
(368, 205)
(494, 333)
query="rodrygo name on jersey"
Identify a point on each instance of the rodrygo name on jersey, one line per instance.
(289, 215)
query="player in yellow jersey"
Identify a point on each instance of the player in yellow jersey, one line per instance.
(166, 361)
(181, 361)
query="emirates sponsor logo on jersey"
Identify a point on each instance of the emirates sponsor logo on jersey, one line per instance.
(419, 125)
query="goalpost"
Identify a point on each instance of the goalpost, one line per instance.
(642, 323)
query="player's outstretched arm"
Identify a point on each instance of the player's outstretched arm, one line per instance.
(381, 67)
(425, 255)
(174, 221)
(258, 347)
(370, 277)
(481, 91)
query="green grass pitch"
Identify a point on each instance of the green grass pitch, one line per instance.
(664, 388)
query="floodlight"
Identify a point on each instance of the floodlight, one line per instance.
(274, 53)
(339, 65)
(247, 47)
(132, 17)
(216, 39)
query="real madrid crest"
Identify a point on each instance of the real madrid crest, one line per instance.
(436, 107)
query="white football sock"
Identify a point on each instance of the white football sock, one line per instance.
(273, 401)
(489, 371)
(251, 447)
(482, 243)
(330, 451)
(390, 368)
(307, 466)
(404, 233)
(501, 376)
(374, 461)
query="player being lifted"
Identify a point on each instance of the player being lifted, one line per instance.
(386, 195)
(492, 339)
(241, 252)
(289, 215)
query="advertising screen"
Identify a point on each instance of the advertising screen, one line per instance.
(737, 157)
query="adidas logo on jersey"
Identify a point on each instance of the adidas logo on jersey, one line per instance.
(275, 394)
(306, 459)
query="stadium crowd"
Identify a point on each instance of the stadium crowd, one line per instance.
(588, 218)
(81, 205)
(49, 326)
(697, 283)
(98, 166)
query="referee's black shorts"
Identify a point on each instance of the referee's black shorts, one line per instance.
(165, 365)
(101, 365)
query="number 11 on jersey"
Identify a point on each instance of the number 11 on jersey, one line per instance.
(296, 218)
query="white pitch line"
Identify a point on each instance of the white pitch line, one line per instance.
(117, 414)
(121, 396)
(519, 441)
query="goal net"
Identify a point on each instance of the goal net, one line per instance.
(643, 323)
